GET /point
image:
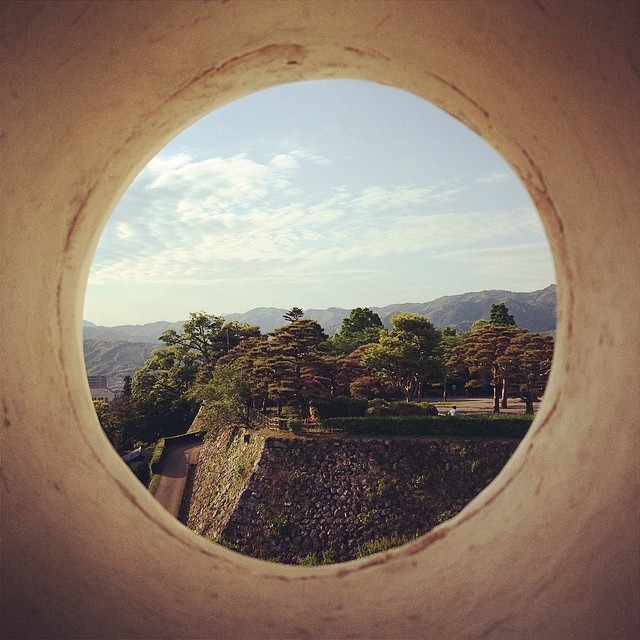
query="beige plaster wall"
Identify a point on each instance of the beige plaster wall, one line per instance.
(91, 90)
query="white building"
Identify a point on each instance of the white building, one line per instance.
(99, 386)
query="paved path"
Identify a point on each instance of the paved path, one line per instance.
(173, 478)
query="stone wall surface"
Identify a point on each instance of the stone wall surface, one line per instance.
(227, 460)
(315, 500)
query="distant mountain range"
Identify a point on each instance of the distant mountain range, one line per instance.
(121, 350)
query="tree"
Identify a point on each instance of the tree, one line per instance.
(230, 337)
(294, 357)
(161, 397)
(249, 359)
(200, 339)
(295, 313)
(125, 423)
(111, 430)
(406, 355)
(205, 337)
(449, 339)
(527, 360)
(479, 358)
(499, 315)
(363, 326)
(225, 396)
(161, 389)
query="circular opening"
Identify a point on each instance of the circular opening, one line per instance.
(473, 579)
(337, 194)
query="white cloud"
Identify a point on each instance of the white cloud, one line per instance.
(494, 177)
(315, 159)
(239, 220)
(284, 161)
(526, 262)
(124, 231)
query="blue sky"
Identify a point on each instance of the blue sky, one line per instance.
(316, 194)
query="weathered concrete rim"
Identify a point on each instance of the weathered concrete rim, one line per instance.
(548, 549)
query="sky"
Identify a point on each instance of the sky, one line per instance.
(318, 194)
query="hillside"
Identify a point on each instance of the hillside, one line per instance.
(122, 350)
(116, 358)
(535, 311)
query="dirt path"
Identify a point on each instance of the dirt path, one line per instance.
(481, 405)
(173, 478)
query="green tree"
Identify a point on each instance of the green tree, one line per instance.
(250, 358)
(200, 340)
(111, 430)
(499, 315)
(225, 396)
(480, 358)
(295, 313)
(406, 355)
(527, 360)
(363, 326)
(205, 338)
(125, 423)
(161, 389)
(449, 339)
(293, 361)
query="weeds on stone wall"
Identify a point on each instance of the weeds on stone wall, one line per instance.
(315, 501)
(380, 544)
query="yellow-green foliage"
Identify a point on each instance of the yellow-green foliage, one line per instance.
(155, 462)
(381, 544)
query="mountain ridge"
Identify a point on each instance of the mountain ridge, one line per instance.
(533, 310)
(122, 349)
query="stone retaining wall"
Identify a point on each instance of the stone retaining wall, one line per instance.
(334, 499)
(227, 461)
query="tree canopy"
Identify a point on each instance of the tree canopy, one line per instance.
(363, 326)
(406, 355)
(230, 368)
(499, 315)
(295, 313)
(479, 358)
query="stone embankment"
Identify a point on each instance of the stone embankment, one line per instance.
(332, 499)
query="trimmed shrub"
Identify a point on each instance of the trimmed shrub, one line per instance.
(294, 425)
(490, 426)
(155, 464)
(384, 408)
(341, 406)
(153, 485)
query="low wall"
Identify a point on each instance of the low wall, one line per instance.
(334, 499)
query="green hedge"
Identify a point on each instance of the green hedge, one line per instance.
(153, 485)
(341, 406)
(494, 426)
(156, 459)
(155, 464)
(400, 409)
(184, 438)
